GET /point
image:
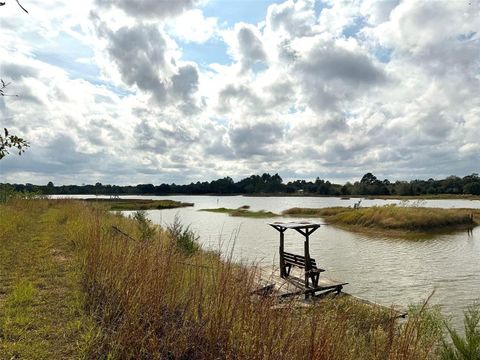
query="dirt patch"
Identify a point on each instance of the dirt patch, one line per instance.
(59, 256)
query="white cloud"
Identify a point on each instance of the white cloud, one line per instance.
(193, 26)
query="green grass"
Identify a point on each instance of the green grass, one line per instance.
(139, 204)
(41, 306)
(394, 218)
(243, 212)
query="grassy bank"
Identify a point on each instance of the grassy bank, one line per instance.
(138, 204)
(73, 287)
(393, 218)
(243, 212)
(41, 301)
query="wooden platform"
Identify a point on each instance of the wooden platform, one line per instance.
(294, 284)
(268, 281)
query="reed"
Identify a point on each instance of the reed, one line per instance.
(243, 212)
(138, 204)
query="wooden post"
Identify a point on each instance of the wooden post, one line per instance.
(281, 250)
(307, 259)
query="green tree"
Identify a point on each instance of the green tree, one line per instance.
(472, 188)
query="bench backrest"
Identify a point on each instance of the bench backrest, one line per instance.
(298, 260)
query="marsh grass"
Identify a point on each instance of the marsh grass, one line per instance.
(392, 217)
(243, 212)
(138, 204)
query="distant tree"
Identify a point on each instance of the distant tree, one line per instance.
(146, 189)
(472, 188)
(346, 189)
(369, 179)
(452, 185)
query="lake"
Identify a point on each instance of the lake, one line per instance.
(384, 270)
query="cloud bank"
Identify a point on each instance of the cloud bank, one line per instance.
(129, 92)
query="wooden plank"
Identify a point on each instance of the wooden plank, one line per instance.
(270, 278)
(283, 287)
(298, 260)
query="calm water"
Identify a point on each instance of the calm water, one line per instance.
(384, 270)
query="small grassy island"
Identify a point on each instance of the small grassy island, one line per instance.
(393, 219)
(139, 204)
(243, 212)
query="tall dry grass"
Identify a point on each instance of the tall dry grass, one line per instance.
(152, 301)
(392, 217)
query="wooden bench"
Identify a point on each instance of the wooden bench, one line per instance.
(311, 270)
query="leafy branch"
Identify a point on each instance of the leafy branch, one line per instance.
(11, 141)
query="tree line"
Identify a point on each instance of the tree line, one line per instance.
(273, 184)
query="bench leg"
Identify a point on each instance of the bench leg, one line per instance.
(287, 269)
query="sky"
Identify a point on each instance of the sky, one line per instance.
(150, 91)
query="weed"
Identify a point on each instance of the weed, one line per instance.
(468, 347)
(185, 239)
(144, 225)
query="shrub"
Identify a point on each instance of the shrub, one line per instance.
(185, 239)
(144, 225)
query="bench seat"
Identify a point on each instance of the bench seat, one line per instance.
(311, 271)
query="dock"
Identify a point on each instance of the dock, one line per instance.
(299, 277)
(269, 278)
(268, 282)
